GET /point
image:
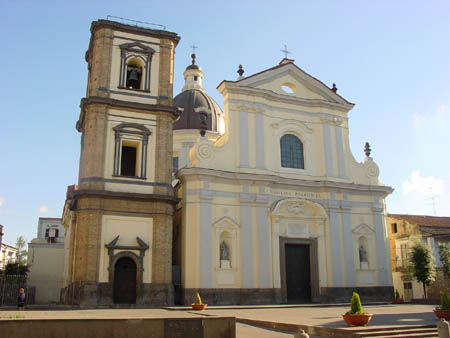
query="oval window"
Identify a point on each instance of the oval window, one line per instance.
(288, 88)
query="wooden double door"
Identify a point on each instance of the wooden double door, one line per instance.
(124, 289)
(298, 273)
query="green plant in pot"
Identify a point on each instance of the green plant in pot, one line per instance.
(356, 316)
(443, 311)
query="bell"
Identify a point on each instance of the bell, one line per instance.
(134, 78)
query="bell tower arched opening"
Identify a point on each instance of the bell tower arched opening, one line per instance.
(134, 73)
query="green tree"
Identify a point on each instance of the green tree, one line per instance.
(16, 269)
(355, 305)
(422, 265)
(444, 256)
(21, 255)
(445, 301)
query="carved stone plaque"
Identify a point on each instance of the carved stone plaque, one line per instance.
(298, 230)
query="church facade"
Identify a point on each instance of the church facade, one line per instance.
(265, 205)
(275, 209)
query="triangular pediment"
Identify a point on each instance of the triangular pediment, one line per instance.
(289, 80)
(363, 229)
(225, 222)
(137, 47)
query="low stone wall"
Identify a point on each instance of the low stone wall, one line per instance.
(91, 294)
(218, 327)
(343, 295)
(231, 296)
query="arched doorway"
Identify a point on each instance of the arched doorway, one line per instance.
(125, 281)
(299, 247)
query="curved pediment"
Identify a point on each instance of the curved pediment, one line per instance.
(295, 207)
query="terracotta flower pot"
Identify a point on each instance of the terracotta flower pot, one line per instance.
(397, 301)
(442, 313)
(357, 320)
(199, 307)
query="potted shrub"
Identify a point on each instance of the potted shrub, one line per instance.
(356, 316)
(198, 305)
(443, 311)
(397, 299)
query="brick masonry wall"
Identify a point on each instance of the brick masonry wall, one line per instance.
(93, 151)
(88, 233)
(166, 64)
(100, 63)
(164, 149)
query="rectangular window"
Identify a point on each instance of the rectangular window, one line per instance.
(394, 228)
(407, 286)
(404, 255)
(128, 161)
(174, 164)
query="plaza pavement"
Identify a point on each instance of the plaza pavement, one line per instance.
(314, 315)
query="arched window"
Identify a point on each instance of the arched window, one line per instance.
(291, 152)
(134, 74)
(135, 66)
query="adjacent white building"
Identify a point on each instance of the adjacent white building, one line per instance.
(7, 255)
(46, 260)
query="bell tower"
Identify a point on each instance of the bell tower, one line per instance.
(119, 218)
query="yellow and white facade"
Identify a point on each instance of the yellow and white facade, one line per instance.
(309, 232)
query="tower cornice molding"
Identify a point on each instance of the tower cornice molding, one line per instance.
(92, 100)
(117, 26)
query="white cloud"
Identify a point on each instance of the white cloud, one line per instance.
(43, 209)
(435, 119)
(2, 200)
(424, 185)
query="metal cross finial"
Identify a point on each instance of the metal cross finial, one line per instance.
(285, 51)
(194, 47)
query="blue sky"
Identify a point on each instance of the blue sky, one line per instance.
(390, 58)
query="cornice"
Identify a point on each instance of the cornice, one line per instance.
(117, 26)
(272, 179)
(272, 96)
(130, 196)
(86, 101)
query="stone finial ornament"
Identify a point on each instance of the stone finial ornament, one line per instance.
(367, 149)
(301, 334)
(334, 89)
(193, 56)
(240, 71)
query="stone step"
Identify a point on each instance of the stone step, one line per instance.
(399, 332)
(407, 335)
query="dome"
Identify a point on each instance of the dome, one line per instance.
(193, 99)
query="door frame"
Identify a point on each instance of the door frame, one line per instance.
(313, 261)
(139, 272)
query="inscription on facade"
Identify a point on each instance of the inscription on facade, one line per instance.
(300, 194)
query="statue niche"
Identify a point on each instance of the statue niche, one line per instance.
(224, 250)
(363, 258)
